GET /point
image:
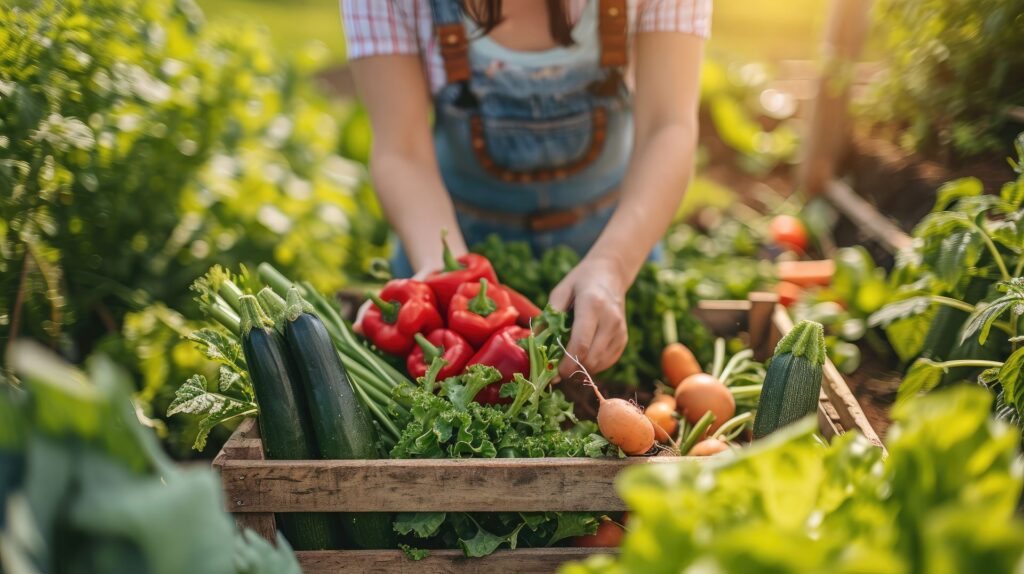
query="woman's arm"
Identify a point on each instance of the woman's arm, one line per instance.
(402, 162)
(666, 104)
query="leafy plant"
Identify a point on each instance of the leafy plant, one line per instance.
(138, 146)
(943, 501)
(954, 71)
(86, 487)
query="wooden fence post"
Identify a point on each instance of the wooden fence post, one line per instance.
(828, 130)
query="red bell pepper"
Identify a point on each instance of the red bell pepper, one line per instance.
(527, 310)
(477, 311)
(503, 352)
(468, 268)
(403, 308)
(443, 343)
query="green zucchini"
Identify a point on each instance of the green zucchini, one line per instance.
(284, 420)
(793, 380)
(342, 427)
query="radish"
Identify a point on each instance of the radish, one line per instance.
(703, 393)
(708, 447)
(624, 425)
(621, 422)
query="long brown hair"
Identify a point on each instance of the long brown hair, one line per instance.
(487, 15)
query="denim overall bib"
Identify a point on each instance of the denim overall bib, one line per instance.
(532, 146)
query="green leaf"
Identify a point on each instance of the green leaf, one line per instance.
(941, 224)
(1010, 378)
(902, 309)
(960, 251)
(984, 315)
(231, 382)
(951, 191)
(414, 554)
(256, 555)
(922, 377)
(572, 524)
(220, 347)
(1012, 193)
(422, 524)
(484, 543)
(194, 398)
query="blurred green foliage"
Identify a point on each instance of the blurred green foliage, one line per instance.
(85, 488)
(942, 502)
(138, 147)
(954, 69)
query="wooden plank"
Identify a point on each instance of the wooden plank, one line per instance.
(760, 327)
(846, 405)
(244, 449)
(523, 560)
(467, 485)
(866, 217)
(828, 130)
(261, 523)
(724, 318)
(243, 444)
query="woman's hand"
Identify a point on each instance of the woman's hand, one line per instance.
(596, 290)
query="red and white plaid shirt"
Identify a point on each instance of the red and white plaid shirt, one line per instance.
(387, 27)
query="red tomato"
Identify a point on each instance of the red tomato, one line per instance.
(609, 535)
(788, 232)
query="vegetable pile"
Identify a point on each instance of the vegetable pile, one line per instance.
(462, 315)
(480, 386)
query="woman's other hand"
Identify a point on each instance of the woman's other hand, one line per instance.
(596, 290)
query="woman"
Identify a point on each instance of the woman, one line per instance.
(536, 136)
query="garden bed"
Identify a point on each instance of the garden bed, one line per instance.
(256, 488)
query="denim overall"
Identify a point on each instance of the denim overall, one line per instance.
(525, 138)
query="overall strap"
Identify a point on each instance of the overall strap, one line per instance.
(613, 24)
(451, 33)
(612, 27)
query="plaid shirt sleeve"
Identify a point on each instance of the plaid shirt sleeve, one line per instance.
(687, 16)
(379, 27)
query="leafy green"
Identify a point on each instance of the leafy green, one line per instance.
(193, 397)
(942, 501)
(539, 422)
(96, 493)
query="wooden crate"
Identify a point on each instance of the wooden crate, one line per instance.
(256, 488)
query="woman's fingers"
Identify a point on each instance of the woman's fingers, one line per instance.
(561, 295)
(609, 342)
(583, 328)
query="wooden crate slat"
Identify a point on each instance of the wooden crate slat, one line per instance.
(469, 485)
(523, 560)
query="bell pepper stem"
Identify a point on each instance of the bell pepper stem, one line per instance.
(450, 262)
(482, 304)
(388, 309)
(430, 351)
